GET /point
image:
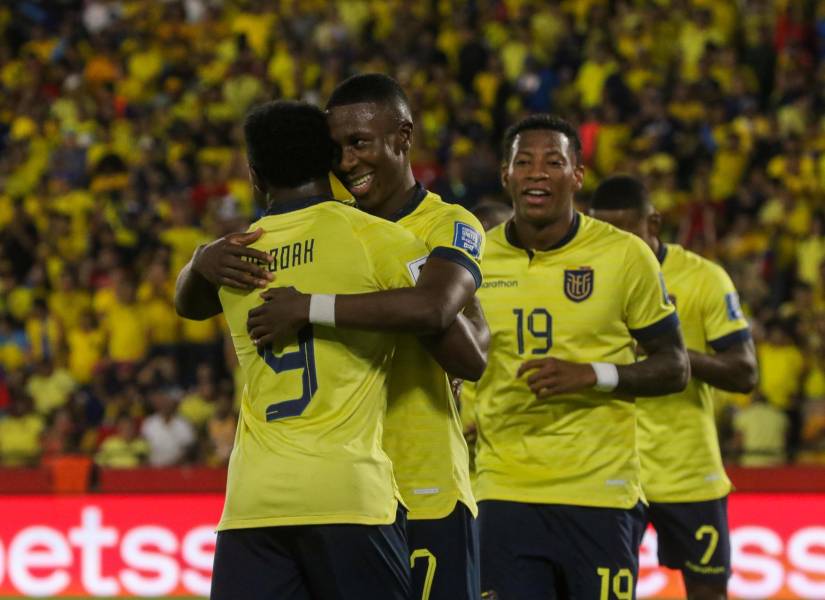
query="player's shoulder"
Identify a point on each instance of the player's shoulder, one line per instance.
(602, 235)
(435, 204)
(497, 241)
(687, 261)
(373, 231)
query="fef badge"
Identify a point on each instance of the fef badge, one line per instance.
(578, 283)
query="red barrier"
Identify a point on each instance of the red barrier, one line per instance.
(161, 545)
(211, 480)
(179, 480)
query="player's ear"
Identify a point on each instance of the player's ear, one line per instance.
(505, 175)
(578, 173)
(404, 136)
(255, 180)
(654, 223)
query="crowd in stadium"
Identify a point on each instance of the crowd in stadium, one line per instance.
(121, 152)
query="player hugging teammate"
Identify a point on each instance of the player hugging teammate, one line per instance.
(350, 475)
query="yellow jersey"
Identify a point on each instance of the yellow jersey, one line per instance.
(678, 444)
(584, 300)
(308, 444)
(422, 433)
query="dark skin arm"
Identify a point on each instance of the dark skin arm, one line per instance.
(462, 349)
(665, 370)
(225, 262)
(733, 369)
(442, 290)
(430, 310)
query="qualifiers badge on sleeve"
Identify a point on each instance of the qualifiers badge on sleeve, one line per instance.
(467, 238)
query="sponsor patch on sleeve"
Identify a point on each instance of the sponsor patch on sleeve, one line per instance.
(734, 308)
(467, 238)
(415, 267)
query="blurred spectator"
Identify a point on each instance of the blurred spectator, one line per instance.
(170, 436)
(221, 430)
(20, 433)
(760, 434)
(124, 449)
(49, 387)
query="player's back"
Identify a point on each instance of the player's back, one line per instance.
(308, 445)
(423, 434)
(682, 463)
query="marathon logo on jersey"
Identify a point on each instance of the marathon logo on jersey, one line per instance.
(467, 238)
(578, 283)
(734, 308)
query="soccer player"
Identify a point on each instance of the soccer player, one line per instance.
(370, 119)
(682, 473)
(557, 471)
(312, 508)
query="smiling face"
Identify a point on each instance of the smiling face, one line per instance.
(374, 144)
(542, 176)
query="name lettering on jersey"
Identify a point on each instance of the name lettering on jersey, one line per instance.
(467, 238)
(734, 308)
(292, 255)
(500, 283)
(578, 283)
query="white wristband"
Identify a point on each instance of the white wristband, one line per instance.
(607, 376)
(322, 309)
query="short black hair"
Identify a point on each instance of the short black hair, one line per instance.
(288, 143)
(620, 192)
(371, 87)
(541, 121)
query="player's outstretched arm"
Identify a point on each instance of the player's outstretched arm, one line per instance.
(666, 370)
(226, 261)
(732, 369)
(442, 290)
(462, 349)
(429, 308)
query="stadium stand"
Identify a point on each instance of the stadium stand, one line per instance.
(120, 152)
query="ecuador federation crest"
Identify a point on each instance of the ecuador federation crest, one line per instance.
(578, 283)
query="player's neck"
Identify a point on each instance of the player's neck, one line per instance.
(317, 187)
(399, 198)
(544, 236)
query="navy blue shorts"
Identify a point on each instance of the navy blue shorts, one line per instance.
(444, 556)
(313, 562)
(553, 551)
(694, 538)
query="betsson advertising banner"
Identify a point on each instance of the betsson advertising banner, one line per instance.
(163, 546)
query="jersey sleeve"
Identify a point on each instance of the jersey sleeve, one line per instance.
(722, 317)
(459, 237)
(395, 255)
(648, 309)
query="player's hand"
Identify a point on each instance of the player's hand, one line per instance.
(222, 262)
(277, 321)
(553, 376)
